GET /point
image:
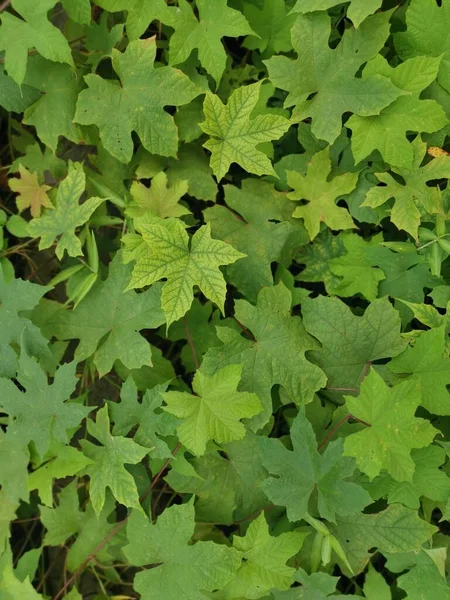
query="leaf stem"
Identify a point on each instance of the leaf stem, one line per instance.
(190, 341)
(338, 425)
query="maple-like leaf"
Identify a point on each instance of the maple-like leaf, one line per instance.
(159, 200)
(235, 134)
(11, 587)
(14, 459)
(214, 412)
(302, 471)
(52, 114)
(242, 470)
(259, 224)
(137, 104)
(263, 561)
(357, 10)
(33, 30)
(182, 571)
(429, 480)
(108, 463)
(386, 131)
(215, 20)
(428, 363)
(414, 197)
(15, 98)
(141, 13)
(330, 74)
(350, 343)
(17, 296)
(393, 430)
(276, 355)
(40, 413)
(272, 23)
(427, 579)
(108, 321)
(393, 530)
(358, 273)
(166, 251)
(316, 258)
(31, 194)
(427, 34)
(321, 195)
(129, 413)
(67, 215)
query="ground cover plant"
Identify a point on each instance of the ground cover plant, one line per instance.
(224, 299)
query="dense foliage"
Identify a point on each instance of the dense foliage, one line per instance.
(224, 299)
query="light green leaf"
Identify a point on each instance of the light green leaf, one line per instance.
(67, 216)
(235, 135)
(33, 30)
(321, 195)
(78, 10)
(164, 250)
(215, 412)
(14, 458)
(392, 431)
(108, 468)
(182, 570)
(375, 586)
(141, 13)
(159, 200)
(137, 104)
(357, 11)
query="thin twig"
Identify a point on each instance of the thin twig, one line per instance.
(115, 529)
(190, 341)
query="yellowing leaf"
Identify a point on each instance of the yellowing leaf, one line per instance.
(32, 195)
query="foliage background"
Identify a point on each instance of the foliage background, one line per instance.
(224, 289)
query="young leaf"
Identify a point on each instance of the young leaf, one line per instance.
(107, 322)
(215, 412)
(304, 471)
(330, 74)
(40, 413)
(33, 30)
(67, 216)
(392, 431)
(235, 134)
(32, 194)
(350, 343)
(216, 20)
(165, 251)
(321, 195)
(137, 104)
(160, 200)
(191, 568)
(108, 463)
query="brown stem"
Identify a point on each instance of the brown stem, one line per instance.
(190, 341)
(4, 5)
(338, 425)
(115, 529)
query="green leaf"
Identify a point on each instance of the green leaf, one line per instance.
(182, 570)
(272, 24)
(321, 195)
(375, 586)
(78, 10)
(317, 259)
(263, 561)
(357, 11)
(395, 529)
(303, 471)
(428, 364)
(33, 30)
(351, 343)
(427, 34)
(160, 200)
(359, 276)
(215, 412)
(53, 113)
(274, 355)
(140, 13)
(107, 322)
(14, 458)
(424, 580)
(17, 296)
(11, 587)
(62, 461)
(15, 98)
(392, 431)
(108, 468)
(193, 166)
(330, 74)
(215, 21)
(166, 251)
(235, 133)
(40, 413)
(259, 225)
(137, 104)
(386, 131)
(67, 216)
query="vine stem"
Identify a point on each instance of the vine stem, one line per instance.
(116, 528)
